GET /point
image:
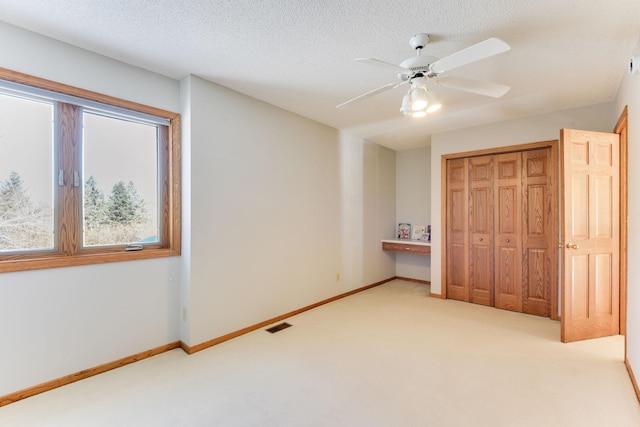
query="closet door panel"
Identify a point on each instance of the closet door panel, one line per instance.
(508, 231)
(538, 232)
(536, 291)
(481, 274)
(481, 209)
(457, 230)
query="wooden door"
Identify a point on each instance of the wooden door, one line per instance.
(508, 231)
(590, 234)
(539, 231)
(481, 206)
(457, 282)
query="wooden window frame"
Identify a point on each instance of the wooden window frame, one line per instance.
(69, 251)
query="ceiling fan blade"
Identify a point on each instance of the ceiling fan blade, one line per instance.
(485, 49)
(382, 64)
(371, 93)
(494, 90)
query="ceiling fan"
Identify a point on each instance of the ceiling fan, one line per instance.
(421, 70)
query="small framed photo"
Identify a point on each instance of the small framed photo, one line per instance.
(404, 231)
(419, 232)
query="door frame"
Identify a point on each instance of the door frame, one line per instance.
(554, 145)
(621, 129)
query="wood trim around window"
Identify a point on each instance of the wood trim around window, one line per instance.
(69, 253)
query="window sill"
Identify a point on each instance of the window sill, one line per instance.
(55, 261)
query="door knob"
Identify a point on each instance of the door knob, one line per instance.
(572, 246)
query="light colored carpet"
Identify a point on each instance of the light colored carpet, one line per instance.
(389, 356)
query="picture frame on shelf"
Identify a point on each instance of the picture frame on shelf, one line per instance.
(419, 232)
(404, 231)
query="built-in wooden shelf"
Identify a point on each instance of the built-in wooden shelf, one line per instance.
(418, 247)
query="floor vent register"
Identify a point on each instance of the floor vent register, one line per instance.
(278, 328)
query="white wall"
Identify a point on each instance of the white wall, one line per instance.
(413, 206)
(378, 212)
(270, 209)
(40, 56)
(629, 95)
(185, 259)
(545, 127)
(60, 321)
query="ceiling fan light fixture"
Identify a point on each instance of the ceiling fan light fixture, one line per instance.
(419, 100)
(406, 105)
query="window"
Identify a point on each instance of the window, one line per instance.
(26, 191)
(84, 178)
(120, 181)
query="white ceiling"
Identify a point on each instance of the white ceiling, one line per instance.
(298, 54)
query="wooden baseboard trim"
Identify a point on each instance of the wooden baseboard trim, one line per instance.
(633, 378)
(198, 347)
(59, 382)
(408, 279)
(436, 296)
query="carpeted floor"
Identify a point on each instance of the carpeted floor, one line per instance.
(389, 356)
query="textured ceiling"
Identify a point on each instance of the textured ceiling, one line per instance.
(298, 54)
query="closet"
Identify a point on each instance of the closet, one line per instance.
(501, 216)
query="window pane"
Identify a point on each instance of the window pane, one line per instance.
(26, 175)
(120, 173)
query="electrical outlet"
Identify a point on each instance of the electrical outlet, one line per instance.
(184, 314)
(337, 277)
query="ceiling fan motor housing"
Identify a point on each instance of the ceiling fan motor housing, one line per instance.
(418, 64)
(419, 41)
